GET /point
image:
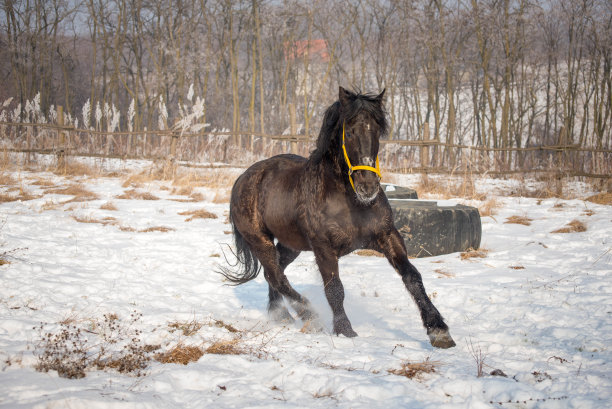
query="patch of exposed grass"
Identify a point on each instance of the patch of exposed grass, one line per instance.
(444, 274)
(7, 179)
(22, 195)
(162, 229)
(471, 253)
(198, 214)
(524, 220)
(75, 168)
(89, 219)
(222, 196)
(226, 347)
(518, 267)
(133, 194)
(489, 208)
(80, 193)
(180, 354)
(369, 253)
(601, 198)
(415, 370)
(575, 226)
(109, 206)
(449, 187)
(187, 328)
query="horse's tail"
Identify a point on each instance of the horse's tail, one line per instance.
(246, 267)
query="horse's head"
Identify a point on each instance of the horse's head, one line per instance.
(363, 123)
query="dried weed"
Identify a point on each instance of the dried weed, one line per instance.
(109, 206)
(198, 214)
(471, 253)
(524, 220)
(133, 194)
(369, 253)
(415, 370)
(601, 198)
(575, 226)
(80, 193)
(180, 354)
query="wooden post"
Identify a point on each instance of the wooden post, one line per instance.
(61, 159)
(175, 136)
(293, 128)
(424, 147)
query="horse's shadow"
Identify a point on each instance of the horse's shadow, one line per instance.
(254, 294)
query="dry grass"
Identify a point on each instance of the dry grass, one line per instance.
(7, 180)
(226, 347)
(105, 221)
(109, 206)
(162, 229)
(471, 253)
(412, 370)
(43, 183)
(198, 214)
(444, 274)
(187, 328)
(489, 208)
(601, 198)
(449, 187)
(74, 168)
(133, 194)
(524, 220)
(369, 253)
(80, 193)
(222, 196)
(22, 195)
(180, 354)
(517, 267)
(575, 226)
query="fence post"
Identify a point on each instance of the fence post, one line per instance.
(175, 136)
(61, 159)
(293, 128)
(424, 147)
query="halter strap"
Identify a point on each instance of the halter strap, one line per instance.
(359, 167)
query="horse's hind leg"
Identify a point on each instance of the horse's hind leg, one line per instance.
(276, 306)
(263, 248)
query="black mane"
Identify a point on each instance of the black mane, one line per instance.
(328, 142)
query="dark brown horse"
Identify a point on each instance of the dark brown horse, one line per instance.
(331, 204)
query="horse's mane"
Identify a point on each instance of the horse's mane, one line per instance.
(328, 142)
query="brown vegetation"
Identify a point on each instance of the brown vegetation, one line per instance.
(416, 370)
(180, 354)
(198, 214)
(601, 198)
(80, 193)
(524, 220)
(575, 226)
(133, 194)
(369, 253)
(471, 253)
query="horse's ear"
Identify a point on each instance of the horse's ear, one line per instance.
(343, 96)
(380, 98)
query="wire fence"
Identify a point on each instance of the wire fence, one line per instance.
(241, 149)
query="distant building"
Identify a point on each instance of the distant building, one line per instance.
(315, 50)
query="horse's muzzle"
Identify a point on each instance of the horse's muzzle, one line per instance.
(367, 185)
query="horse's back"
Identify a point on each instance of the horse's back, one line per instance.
(265, 198)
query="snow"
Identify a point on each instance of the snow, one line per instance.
(538, 307)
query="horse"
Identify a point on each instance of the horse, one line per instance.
(328, 205)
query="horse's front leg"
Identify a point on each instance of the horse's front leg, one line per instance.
(334, 291)
(394, 249)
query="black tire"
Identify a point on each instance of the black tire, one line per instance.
(432, 230)
(398, 192)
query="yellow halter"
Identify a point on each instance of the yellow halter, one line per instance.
(360, 167)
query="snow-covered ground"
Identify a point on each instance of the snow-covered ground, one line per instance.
(537, 307)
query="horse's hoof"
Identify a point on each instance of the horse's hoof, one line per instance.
(345, 329)
(281, 315)
(312, 326)
(440, 338)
